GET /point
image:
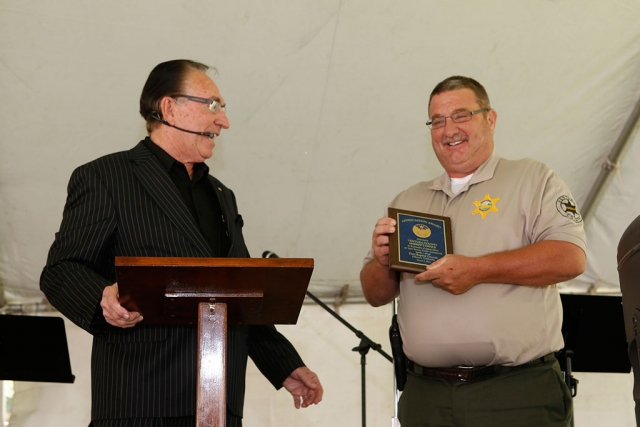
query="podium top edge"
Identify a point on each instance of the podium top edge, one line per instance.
(213, 262)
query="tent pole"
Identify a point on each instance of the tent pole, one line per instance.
(611, 162)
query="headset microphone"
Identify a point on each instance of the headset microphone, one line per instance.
(207, 134)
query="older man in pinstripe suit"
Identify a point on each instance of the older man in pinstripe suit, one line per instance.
(158, 199)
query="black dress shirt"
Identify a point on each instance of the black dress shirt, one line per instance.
(200, 198)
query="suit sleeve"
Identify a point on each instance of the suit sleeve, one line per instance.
(273, 354)
(79, 266)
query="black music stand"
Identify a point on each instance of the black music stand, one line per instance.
(594, 336)
(34, 348)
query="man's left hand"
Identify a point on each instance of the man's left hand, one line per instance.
(452, 273)
(304, 386)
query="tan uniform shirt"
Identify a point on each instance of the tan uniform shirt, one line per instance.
(506, 205)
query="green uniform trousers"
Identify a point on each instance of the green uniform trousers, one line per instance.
(533, 396)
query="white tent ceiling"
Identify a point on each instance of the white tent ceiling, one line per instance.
(327, 102)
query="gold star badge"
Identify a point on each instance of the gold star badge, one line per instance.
(486, 205)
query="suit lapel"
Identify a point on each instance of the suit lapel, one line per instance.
(226, 206)
(160, 187)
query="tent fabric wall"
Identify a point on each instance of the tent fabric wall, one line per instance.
(327, 103)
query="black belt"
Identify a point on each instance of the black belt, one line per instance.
(470, 374)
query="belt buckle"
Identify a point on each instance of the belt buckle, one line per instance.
(460, 376)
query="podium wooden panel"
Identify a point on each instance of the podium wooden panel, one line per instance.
(212, 293)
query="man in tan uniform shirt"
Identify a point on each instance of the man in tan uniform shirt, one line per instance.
(480, 326)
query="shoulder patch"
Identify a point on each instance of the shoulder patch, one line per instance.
(567, 207)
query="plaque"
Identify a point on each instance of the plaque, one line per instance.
(419, 240)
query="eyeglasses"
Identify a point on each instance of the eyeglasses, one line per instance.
(458, 117)
(214, 105)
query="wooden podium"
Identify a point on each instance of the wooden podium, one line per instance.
(212, 293)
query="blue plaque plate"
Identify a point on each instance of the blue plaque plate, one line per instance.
(419, 240)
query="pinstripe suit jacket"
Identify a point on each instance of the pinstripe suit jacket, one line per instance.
(125, 204)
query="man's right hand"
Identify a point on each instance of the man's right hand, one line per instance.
(114, 313)
(380, 239)
(379, 283)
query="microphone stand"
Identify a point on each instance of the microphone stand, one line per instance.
(365, 344)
